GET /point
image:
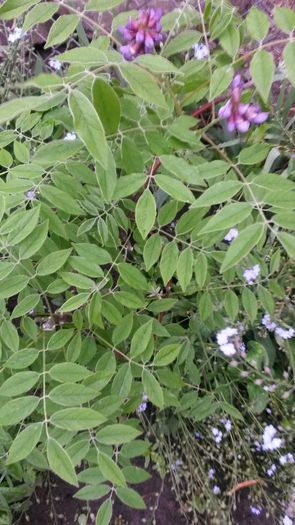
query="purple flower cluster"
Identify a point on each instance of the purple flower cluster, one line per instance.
(240, 116)
(143, 34)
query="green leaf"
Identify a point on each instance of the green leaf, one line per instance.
(157, 64)
(131, 300)
(24, 443)
(117, 434)
(145, 213)
(249, 303)
(56, 151)
(77, 419)
(129, 184)
(60, 199)
(230, 39)
(92, 493)
(141, 339)
(105, 512)
(284, 18)
(175, 188)
(9, 335)
(131, 498)
(13, 8)
(167, 354)
(285, 219)
(83, 55)
(257, 23)
(253, 154)
(17, 409)
(74, 302)
(11, 109)
(110, 470)
(168, 263)
(19, 383)
(229, 216)
(65, 372)
(34, 241)
(152, 389)
(39, 14)
(143, 84)
(122, 381)
(60, 462)
(53, 262)
(27, 224)
(185, 268)
(182, 42)
(89, 127)
(232, 411)
(102, 5)
(12, 285)
(107, 105)
(25, 305)
(289, 57)
(201, 267)
(152, 250)
(107, 178)
(61, 29)
(71, 394)
(60, 338)
(77, 280)
(242, 245)
(132, 276)
(220, 81)
(288, 242)
(219, 192)
(22, 359)
(262, 70)
(231, 304)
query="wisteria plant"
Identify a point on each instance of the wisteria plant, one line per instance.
(146, 278)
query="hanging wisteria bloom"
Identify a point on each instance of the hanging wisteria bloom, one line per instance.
(250, 274)
(143, 34)
(270, 442)
(231, 235)
(240, 116)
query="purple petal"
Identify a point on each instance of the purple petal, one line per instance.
(231, 125)
(126, 52)
(140, 36)
(158, 14)
(226, 110)
(242, 108)
(237, 81)
(260, 117)
(149, 44)
(242, 125)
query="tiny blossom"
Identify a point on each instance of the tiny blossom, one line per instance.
(143, 405)
(48, 326)
(231, 235)
(143, 34)
(287, 520)
(55, 64)
(268, 323)
(227, 424)
(255, 510)
(287, 458)
(270, 388)
(70, 136)
(240, 116)
(285, 333)
(217, 435)
(223, 340)
(201, 51)
(14, 35)
(176, 465)
(211, 473)
(270, 442)
(270, 471)
(250, 274)
(198, 435)
(31, 195)
(216, 490)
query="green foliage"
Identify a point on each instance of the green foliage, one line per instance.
(116, 272)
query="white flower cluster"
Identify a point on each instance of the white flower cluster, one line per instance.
(271, 326)
(55, 64)
(227, 424)
(255, 510)
(250, 274)
(14, 35)
(271, 470)
(270, 442)
(287, 458)
(231, 235)
(287, 520)
(225, 341)
(217, 435)
(70, 136)
(201, 51)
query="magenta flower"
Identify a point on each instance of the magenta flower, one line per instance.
(240, 116)
(143, 34)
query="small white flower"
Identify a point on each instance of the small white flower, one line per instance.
(224, 335)
(55, 64)
(227, 424)
(250, 274)
(217, 435)
(231, 235)
(287, 458)
(211, 473)
(201, 51)
(270, 471)
(268, 323)
(270, 442)
(14, 35)
(285, 333)
(216, 490)
(48, 326)
(255, 510)
(31, 195)
(70, 136)
(228, 349)
(287, 520)
(270, 388)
